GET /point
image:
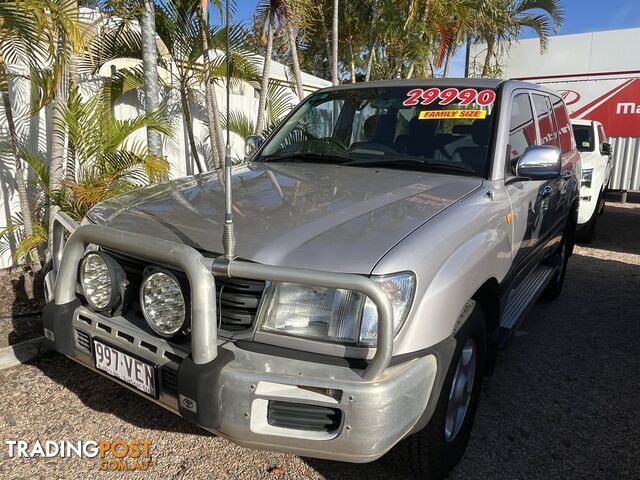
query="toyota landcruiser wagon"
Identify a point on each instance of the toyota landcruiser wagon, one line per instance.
(389, 238)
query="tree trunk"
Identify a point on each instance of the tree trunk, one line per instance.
(352, 62)
(487, 59)
(186, 113)
(217, 149)
(21, 186)
(295, 62)
(372, 41)
(367, 73)
(411, 69)
(334, 45)
(57, 160)
(467, 55)
(217, 127)
(447, 63)
(150, 72)
(264, 85)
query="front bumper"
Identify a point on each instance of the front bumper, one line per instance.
(232, 394)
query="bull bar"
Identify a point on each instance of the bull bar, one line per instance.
(200, 272)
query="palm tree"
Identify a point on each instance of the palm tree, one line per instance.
(296, 12)
(150, 69)
(271, 14)
(179, 29)
(110, 161)
(513, 16)
(278, 105)
(19, 42)
(213, 110)
(65, 39)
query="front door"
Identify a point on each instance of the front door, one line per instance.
(525, 196)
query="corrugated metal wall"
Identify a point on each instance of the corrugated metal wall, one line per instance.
(626, 167)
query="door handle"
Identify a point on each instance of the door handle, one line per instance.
(567, 174)
(546, 191)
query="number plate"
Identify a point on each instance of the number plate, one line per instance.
(127, 368)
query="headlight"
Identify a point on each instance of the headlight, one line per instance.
(162, 303)
(587, 174)
(399, 289)
(333, 314)
(100, 278)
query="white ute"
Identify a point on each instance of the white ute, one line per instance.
(597, 162)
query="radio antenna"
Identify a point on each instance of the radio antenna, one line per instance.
(228, 235)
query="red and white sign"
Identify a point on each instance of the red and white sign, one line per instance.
(614, 102)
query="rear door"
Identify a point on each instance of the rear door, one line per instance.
(571, 173)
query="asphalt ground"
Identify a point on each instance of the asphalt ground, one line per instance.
(563, 403)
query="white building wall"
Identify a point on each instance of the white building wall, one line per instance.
(568, 55)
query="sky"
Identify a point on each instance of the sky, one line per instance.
(580, 16)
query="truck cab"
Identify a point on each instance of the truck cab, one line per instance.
(597, 162)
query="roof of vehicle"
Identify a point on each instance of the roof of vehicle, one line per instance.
(439, 82)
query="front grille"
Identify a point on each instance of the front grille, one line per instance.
(300, 416)
(238, 301)
(169, 378)
(132, 267)
(82, 341)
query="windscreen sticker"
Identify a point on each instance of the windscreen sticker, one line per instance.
(446, 96)
(435, 114)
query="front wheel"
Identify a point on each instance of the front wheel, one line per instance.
(435, 450)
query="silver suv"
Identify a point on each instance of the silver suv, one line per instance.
(390, 237)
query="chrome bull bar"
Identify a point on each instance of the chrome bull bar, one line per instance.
(200, 271)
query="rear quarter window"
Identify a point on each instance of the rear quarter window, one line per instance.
(565, 136)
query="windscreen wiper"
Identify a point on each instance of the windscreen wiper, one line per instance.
(313, 157)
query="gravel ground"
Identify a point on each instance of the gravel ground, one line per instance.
(563, 402)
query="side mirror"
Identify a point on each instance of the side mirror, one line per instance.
(540, 162)
(606, 149)
(251, 145)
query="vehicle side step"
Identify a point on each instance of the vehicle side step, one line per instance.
(523, 298)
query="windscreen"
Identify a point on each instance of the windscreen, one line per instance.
(584, 138)
(430, 128)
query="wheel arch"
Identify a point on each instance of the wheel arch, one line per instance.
(488, 297)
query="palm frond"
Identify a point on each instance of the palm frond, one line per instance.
(240, 124)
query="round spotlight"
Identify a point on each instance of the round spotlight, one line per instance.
(99, 277)
(163, 303)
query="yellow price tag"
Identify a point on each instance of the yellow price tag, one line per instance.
(434, 114)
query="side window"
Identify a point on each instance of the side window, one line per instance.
(564, 127)
(522, 129)
(546, 125)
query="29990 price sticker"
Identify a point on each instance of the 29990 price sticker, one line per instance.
(445, 97)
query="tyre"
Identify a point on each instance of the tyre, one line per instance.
(433, 452)
(601, 204)
(554, 288)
